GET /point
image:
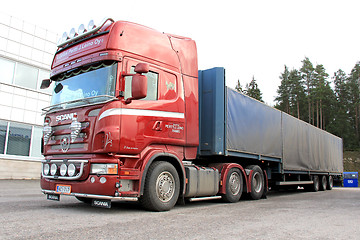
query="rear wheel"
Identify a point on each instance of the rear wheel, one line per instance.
(257, 182)
(330, 183)
(323, 183)
(234, 186)
(162, 187)
(316, 184)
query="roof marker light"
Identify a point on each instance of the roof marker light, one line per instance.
(91, 25)
(72, 33)
(81, 29)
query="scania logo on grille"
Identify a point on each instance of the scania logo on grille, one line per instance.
(63, 117)
(65, 143)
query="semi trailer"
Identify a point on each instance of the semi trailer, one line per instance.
(133, 119)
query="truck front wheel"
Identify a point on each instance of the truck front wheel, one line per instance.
(162, 187)
(234, 186)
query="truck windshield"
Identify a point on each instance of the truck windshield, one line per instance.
(88, 85)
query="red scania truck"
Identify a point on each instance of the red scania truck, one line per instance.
(132, 119)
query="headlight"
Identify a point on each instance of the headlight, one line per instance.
(63, 169)
(104, 168)
(71, 170)
(46, 169)
(53, 169)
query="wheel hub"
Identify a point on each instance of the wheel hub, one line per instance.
(165, 185)
(234, 182)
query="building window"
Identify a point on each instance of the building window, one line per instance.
(36, 142)
(3, 130)
(19, 139)
(26, 76)
(23, 75)
(7, 70)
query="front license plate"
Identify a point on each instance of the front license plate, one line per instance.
(54, 197)
(64, 189)
(101, 203)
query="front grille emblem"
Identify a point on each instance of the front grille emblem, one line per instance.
(65, 143)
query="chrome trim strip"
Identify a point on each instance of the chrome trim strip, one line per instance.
(140, 112)
(132, 199)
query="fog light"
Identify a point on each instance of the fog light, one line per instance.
(53, 169)
(71, 170)
(92, 179)
(63, 169)
(46, 168)
(103, 180)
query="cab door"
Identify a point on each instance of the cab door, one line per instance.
(156, 119)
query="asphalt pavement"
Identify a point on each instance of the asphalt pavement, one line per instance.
(25, 213)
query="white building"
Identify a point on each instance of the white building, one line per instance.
(26, 53)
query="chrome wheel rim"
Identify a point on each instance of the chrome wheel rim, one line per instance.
(234, 183)
(165, 186)
(257, 180)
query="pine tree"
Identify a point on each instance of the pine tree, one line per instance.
(307, 72)
(321, 88)
(283, 98)
(238, 87)
(297, 94)
(340, 125)
(354, 100)
(252, 90)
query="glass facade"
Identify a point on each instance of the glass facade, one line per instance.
(26, 53)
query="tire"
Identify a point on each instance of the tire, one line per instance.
(330, 183)
(257, 182)
(84, 200)
(234, 186)
(162, 187)
(323, 183)
(316, 184)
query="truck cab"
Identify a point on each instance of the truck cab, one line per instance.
(124, 96)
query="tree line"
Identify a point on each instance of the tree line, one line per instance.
(328, 102)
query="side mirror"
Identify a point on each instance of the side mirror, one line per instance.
(45, 83)
(58, 88)
(139, 82)
(138, 87)
(141, 68)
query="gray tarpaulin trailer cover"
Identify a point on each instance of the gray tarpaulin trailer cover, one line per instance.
(236, 125)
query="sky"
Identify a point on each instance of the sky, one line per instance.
(248, 38)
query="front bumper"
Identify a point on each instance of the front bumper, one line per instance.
(128, 199)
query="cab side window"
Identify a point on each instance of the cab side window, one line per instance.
(152, 85)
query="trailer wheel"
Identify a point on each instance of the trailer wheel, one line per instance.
(257, 182)
(330, 183)
(323, 183)
(316, 184)
(234, 186)
(162, 187)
